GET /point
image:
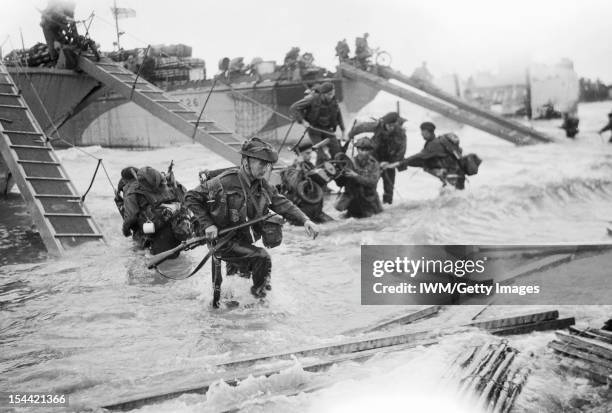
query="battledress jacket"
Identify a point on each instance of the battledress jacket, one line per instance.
(607, 127)
(232, 198)
(433, 155)
(389, 146)
(362, 188)
(143, 198)
(320, 114)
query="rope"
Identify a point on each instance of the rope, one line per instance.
(279, 114)
(138, 73)
(92, 180)
(197, 124)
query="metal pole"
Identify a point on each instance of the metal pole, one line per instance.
(22, 44)
(286, 136)
(116, 23)
(197, 124)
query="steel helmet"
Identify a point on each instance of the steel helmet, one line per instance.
(256, 148)
(364, 143)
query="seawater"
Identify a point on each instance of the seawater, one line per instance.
(96, 323)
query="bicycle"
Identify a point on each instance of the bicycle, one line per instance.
(381, 57)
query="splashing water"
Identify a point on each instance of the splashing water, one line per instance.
(97, 322)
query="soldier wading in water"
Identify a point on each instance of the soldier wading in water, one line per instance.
(238, 196)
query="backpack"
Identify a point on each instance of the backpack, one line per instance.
(470, 164)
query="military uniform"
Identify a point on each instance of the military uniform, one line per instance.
(143, 203)
(233, 198)
(608, 127)
(360, 197)
(440, 157)
(342, 50)
(55, 19)
(127, 182)
(321, 114)
(570, 125)
(362, 51)
(389, 146)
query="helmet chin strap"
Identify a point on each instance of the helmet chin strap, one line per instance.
(247, 168)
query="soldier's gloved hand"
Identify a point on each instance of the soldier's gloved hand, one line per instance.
(312, 229)
(384, 165)
(126, 231)
(211, 232)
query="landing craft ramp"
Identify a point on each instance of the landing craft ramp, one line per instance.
(162, 106)
(60, 217)
(446, 105)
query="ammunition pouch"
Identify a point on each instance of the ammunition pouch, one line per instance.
(271, 231)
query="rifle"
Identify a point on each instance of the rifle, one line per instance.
(157, 259)
(345, 147)
(170, 175)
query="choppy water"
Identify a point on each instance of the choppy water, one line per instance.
(96, 323)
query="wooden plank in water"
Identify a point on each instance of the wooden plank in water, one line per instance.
(403, 319)
(590, 370)
(571, 350)
(539, 326)
(591, 333)
(234, 377)
(539, 265)
(346, 346)
(516, 320)
(592, 346)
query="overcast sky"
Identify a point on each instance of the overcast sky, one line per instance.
(462, 36)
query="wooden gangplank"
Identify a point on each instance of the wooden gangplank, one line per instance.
(54, 203)
(238, 370)
(164, 107)
(462, 104)
(469, 117)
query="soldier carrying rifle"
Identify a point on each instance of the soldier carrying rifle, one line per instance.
(241, 195)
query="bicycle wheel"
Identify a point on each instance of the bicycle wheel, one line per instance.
(383, 59)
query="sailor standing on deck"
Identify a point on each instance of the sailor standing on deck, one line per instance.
(389, 142)
(238, 196)
(322, 112)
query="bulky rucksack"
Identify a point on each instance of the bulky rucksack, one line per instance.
(470, 164)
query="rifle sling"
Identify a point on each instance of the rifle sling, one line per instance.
(210, 252)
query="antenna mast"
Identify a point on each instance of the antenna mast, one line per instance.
(116, 23)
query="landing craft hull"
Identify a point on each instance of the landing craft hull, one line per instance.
(86, 113)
